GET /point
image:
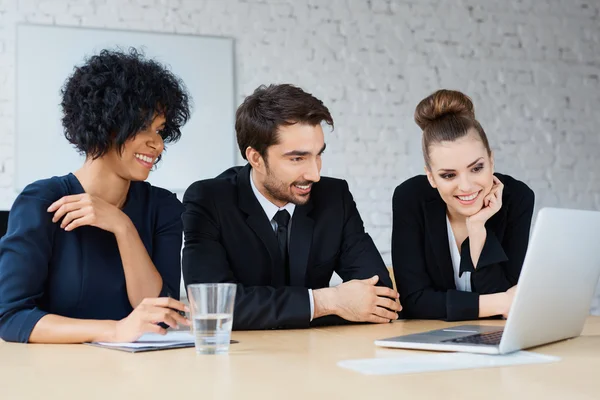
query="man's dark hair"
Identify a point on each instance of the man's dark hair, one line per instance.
(114, 95)
(258, 118)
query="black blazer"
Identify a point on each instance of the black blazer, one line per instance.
(421, 254)
(228, 238)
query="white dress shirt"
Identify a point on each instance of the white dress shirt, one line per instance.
(463, 283)
(271, 209)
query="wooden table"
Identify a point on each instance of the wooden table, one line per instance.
(294, 364)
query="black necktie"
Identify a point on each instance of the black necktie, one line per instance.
(283, 219)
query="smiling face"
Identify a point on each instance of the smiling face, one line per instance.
(291, 166)
(139, 153)
(462, 172)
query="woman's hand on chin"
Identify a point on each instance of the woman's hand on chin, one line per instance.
(492, 203)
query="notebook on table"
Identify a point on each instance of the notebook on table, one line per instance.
(152, 342)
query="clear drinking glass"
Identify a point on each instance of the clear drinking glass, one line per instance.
(211, 306)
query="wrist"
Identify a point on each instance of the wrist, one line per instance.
(493, 304)
(502, 304)
(506, 303)
(475, 228)
(106, 332)
(124, 227)
(324, 302)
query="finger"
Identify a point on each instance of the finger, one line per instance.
(65, 209)
(169, 319)
(157, 315)
(386, 292)
(150, 327)
(377, 319)
(495, 204)
(73, 215)
(180, 319)
(167, 302)
(385, 313)
(85, 220)
(172, 318)
(388, 303)
(500, 191)
(372, 280)
(488, 199)
(499, 187)
(64, 200)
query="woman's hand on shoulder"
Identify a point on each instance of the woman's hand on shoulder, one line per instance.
(146, 317)
(84, 209)
(492, 203)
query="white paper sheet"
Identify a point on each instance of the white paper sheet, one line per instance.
(154, 340)
(441, 362)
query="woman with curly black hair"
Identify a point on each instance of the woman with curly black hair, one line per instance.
(95, 255)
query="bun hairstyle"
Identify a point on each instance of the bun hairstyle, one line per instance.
(447, 115)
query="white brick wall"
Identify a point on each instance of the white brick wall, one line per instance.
(531, 66)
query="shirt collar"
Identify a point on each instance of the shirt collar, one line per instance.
(270, 208)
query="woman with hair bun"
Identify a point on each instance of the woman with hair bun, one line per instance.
(460, 232)
(94, 255)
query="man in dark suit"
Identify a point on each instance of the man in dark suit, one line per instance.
(279, 230)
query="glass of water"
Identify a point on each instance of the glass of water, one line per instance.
(211, 306)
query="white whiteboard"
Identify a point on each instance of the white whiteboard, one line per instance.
(46, 56)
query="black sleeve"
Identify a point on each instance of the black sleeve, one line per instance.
(359, 257)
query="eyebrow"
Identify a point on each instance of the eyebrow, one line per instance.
(468, 166)
(300, 153)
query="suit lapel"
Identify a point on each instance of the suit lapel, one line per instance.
(300, 243)
(257, 220)
(436, 229)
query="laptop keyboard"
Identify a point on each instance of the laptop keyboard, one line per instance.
(489, 338)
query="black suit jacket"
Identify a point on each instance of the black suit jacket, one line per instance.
(421, 253)
(228, 238)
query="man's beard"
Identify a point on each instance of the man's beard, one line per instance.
(281, 192)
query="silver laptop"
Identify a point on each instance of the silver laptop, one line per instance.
(553, 297)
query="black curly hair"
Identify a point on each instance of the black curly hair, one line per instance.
(116, 94)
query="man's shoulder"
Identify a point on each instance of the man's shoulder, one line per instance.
(329, 191)
(221, 186)
(328, 184)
